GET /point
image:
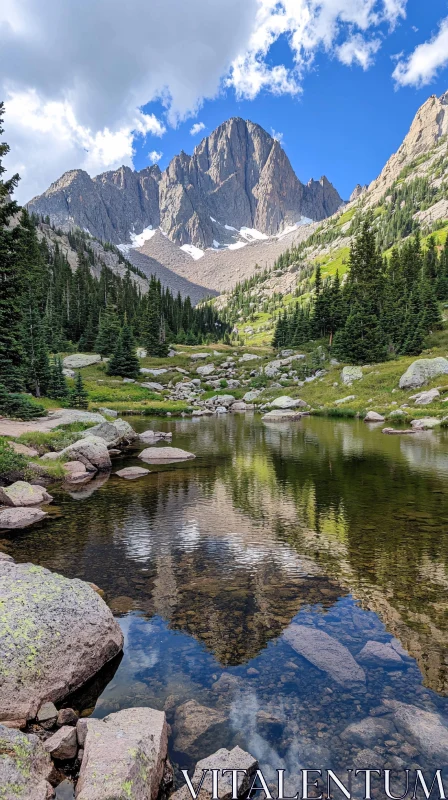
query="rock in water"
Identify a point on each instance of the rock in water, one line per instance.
(124, 756)
(25, 767)
(222, 759)
(373, 416)
(18, 518)
(422, 371)
(429, 730)
(192, 722)
(79, 360)
(165, 455)
(55, 634)
(288, 402)
(368, 731)
(131, 473)
(91, 451)
(326, 653)
(282, 416)
(21, 494)
(382, 655)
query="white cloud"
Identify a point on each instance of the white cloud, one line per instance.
(155, 156)
(197, 128)
(423, 64)
(75, 84)
(276, 135)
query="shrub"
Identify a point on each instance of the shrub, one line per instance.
(9, 460)
(19, 405)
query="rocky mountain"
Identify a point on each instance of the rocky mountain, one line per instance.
(239, 177)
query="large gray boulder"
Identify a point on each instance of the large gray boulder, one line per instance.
(21, 494)
(288, 402)
(12, 519)
(114, 433)
(207, 369)
(277, 415)
(92, 451)
(192, 722)
(427, 729)
(55, 634)
(66, 416)
(422, 371)
(350, 374)
(165, 455)
(378, 654)
(223, 759)
(373, 416)
(25, 767)
(326, 653)
(124, 756)
(425, 398)
(79, 360)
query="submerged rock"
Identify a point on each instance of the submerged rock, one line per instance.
(192, 721)
(223, 759)
(25, 767)
(124, 756)
(422, 371)
(368, 731)
(131, 473)
(17, 518)
(429, 730)
(326, 653)
(21, 494)
(379, 654)
(160, 455)
(61, 640)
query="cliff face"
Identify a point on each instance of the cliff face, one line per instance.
(238, 176)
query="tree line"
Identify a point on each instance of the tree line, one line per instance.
(385, 307)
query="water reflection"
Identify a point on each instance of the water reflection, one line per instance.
(331, 525)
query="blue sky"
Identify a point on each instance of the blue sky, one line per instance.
(345, 124)
(94, 84)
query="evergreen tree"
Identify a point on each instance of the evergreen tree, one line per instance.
(108, 332)
(57, 389)
(362, 339)
(154, 331)
(78, 395)
(124, 361)
(36, 363)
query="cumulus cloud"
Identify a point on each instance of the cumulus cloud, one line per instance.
(197, 128)
(427, 59)
(276, 135)
(155, 156)
(75, 84)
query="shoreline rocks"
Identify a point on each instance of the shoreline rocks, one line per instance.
(165, 455)
(18, 518)
(223, 759)
(25, 767)
(22, 494)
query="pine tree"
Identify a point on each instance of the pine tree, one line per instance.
(154, 331)
(362, 339)
(108, 332)
(58, 388)
(36, 364)
(78, 395)
(124, 361)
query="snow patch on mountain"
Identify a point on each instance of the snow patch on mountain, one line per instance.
(194, 252)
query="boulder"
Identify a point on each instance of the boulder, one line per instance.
(350, 374)
(282, 416)
(425, 398)
(221, 410)
(192, 722)
(25, 767)
(369, 731)
(21, 494)
(206, 369)
(108, 412)
(66, 716)
(249, 357)
(12, 519)
(373, 416)
(428, 729)
(67, 634)
(131, 473)
(425, 423)
(397, 431)
(66, 416)
(326, 653)
(199, 356)
(152, 386)
(422, 371)
(23, 450)
(79, 360)
(288, 402)
(240, 406)
(76, 471)
(63, 745)
(249, 397)
(69, 373)
(223, 759)
(155, 372)
(47, 715)
(155, 436)
(114, 433)
(125, 755)
(377, 654)
(165, 455)
(91, 451)
(347, 399)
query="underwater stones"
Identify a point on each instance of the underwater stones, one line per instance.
(378, 654)
(125, 755)
(62, 745)
(427, 729)
(191, 722)
(21, 494)
(165, 455)
(18, 518)
(350, 374)
(223, 759)
(373, 416)
(422, 371)
(368, 731)
(79, 360)
(132, 473)
(326, 653)
(64, 637)
(25, 767)
(286, 402)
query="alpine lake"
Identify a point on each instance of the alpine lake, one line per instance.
(326, 524)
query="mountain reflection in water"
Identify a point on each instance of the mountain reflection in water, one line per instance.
(331, 525)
